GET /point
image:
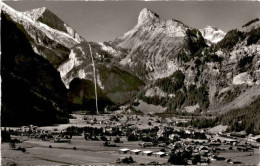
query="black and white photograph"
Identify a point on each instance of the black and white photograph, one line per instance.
(130, 82)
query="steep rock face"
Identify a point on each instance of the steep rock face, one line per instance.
(32, 90)
(153, 46)
(53, 44)
(45, 16)
(212, 34)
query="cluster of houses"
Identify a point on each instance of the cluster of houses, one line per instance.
(193, 148)
(44, 134)
(30, 128)
(106, 122)
(207, 149)
(142, 152)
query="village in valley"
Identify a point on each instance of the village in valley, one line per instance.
(165, 92)
(122, 137)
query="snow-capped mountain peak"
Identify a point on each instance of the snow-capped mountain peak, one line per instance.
(212, 34)
(28, 22)
(147, 16)
(42, 26)
(47, 17)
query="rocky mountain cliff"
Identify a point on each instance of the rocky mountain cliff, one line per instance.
(152, 46)
(192, 67)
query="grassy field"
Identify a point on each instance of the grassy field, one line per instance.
(88, 152)
(93, 152)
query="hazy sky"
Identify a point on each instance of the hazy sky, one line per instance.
(104, 21)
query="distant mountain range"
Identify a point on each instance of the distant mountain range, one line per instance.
(162, 62)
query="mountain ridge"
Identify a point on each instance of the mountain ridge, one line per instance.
(52, 44)
(204, 66)
(162, 62)
(45, 16)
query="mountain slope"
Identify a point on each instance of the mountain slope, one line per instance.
(162, 62)
(117, 84)
(53, 39)
(213, 77)
(32, 90)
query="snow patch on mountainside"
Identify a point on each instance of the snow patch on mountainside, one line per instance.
(67, 67)
(212, 34)
(81, 74)
(69, 64)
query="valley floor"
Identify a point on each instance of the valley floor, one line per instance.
(92, 152)
(88, 152)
